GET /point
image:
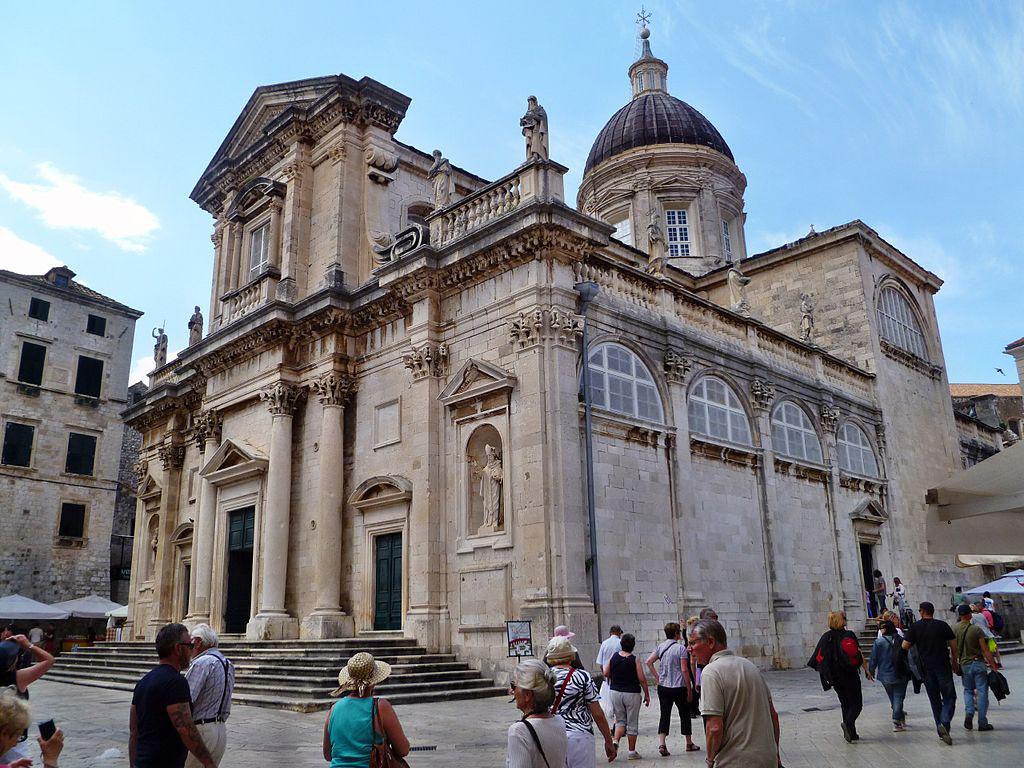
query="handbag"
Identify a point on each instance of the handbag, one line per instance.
(382, 754)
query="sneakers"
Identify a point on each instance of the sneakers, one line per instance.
(634, 755)
(944, 735)
(986, 727)
(898, 727)
(969, 722)
(847, 735)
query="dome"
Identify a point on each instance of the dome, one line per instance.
(650, 118)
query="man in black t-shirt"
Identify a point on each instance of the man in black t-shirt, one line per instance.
(161, 727)
(937, 653)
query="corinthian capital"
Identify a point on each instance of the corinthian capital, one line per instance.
(171, 456)
(281, 398)
(334, 388)
(206, 426)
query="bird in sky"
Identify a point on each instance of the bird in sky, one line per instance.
(1000, 371)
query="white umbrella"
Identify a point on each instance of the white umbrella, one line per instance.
(20, 607)
(1011, 583)
(89, 607)
(118, 613)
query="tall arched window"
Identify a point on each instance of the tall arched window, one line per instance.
(620, 382)
(898, 324)
(855, 452)
(715, 411)
(793, 433)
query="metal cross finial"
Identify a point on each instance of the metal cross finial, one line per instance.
(643, 17)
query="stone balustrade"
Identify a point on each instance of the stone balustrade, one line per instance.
(254, 294)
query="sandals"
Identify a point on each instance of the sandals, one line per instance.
(663, 751)
(692, 748)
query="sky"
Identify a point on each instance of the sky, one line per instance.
(907, 116)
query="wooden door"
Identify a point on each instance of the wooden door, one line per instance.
(388, 568)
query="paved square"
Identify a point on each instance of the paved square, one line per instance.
(472, 733)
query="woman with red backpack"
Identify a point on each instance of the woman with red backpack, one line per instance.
(838, 661)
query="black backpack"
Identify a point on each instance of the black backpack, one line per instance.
(998, 624)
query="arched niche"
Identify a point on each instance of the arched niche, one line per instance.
(485, 482)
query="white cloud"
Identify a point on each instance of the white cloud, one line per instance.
(141, 368)
(63, 203)
(760, 241)
(19, 255)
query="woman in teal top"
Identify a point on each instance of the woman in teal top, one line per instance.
(350, 731)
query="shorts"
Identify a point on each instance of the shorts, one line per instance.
(626, 707)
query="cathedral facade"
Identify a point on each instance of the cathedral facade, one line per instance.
(382, 429)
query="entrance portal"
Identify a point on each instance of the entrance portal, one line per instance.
(867, 566)
(388, 570)
(241, 524)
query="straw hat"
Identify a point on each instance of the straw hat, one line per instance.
(560, 650)
(360, 672)
(563, 631)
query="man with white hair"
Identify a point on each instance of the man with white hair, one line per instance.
(211, 679)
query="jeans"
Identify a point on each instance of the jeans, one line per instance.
(897, 692)
(667, 698)
(941, 694)
(851, 701)
(975, 677)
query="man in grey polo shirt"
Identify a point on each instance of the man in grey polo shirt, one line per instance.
(211, 679)
(740, 721)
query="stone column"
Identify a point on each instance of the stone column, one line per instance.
(130, 626)
(829, 415)
(172, 456)
(207, 435)
(218, 268)
(276, 207)
(234, 262)
(272, 621)
(327, 619)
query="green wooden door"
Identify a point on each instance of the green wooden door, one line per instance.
(388, 599)
(241, 529)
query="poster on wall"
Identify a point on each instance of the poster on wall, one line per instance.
(520, 638)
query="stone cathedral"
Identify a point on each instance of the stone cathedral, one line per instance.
(382, 427)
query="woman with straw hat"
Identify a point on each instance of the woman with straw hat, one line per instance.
(577, 702)
(360, 720)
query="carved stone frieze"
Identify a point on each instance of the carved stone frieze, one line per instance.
(554, 323)
(730, 454)
(292, 172)
(334, 387)
(428, 359)
(829, 415)
(677, 367)
(172, 456)
(336, 153)
(141, 470)
(206, 426)
(644, 436)
(762, 394)
(909, 360)
(281, 398)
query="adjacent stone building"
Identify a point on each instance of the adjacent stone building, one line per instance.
(998, 405)
(125, 501)
(65, 352)
(382, 429)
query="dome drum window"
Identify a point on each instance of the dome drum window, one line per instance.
(897, 323)
(715, 411)
(855, 453)
(793, 434)
(677, 224)
(620, 382)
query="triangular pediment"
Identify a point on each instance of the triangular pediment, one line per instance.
(870, 511)
(234, 455)
(475, 379)
(150, 488)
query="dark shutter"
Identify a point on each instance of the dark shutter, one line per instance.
(18, 444)
(72, 520)
(96, 325)
(90, 376)
(81, 454)
(30, 370)
(39, 309)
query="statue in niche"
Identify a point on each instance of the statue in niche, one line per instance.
(490, 476)
(160, 348)
(440, 176)
(806, 317)
(656, 238)
(195, 327)
(535, 128)
(737, 298)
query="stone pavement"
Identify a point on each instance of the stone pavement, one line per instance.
(472, 733)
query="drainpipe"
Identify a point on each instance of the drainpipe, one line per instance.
(588, 292)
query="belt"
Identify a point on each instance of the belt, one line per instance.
(218, 719)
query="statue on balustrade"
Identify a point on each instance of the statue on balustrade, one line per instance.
(195, 327)
(737, 295)
(535, 128)
(160, 348)
(806, 317)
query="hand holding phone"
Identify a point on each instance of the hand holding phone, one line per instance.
(46, 729)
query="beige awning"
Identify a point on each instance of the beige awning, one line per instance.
(980, 511)
(969, 561)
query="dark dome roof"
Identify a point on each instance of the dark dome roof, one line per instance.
(654, 118)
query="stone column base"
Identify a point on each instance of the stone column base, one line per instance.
(193, 619)
(323, 625)
(272, 626)
(430, 627)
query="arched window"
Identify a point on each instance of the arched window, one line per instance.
(620, 382)
(855, 452)
(897, 323)
(715, 411)
(793, 433)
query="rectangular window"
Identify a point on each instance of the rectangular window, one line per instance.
(259, 250)
(30, 369)
(89, 377)
(640, 81)
(81, 454)
(624, 231)
(72, 520)
(96, 325)
(38, 309)
(18, 444)
(726, 241)
(678, 232)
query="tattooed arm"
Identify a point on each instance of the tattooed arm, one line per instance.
(181, 719)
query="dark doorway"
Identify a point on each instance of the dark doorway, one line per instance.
(241, 525)
(388, 598)
(867, 566)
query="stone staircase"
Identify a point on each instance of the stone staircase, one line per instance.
(291, 674)
(866, 638)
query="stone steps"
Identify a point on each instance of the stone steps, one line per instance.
(291, 674)
(1007, 646)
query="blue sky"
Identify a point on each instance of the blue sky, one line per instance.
(905, 115)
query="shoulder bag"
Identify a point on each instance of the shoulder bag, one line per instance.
(382, 754)
(536, 740)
